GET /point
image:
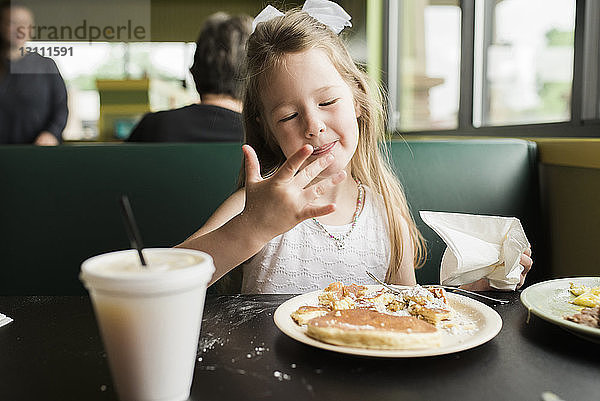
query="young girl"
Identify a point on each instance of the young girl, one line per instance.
(319, 201)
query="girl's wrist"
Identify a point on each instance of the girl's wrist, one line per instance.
(482, 284)
(250, 231)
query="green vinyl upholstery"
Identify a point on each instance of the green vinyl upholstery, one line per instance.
(490, 176)
(59, 205)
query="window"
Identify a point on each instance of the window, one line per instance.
(165, 64)
(482, 66)
(424, 84)
(523, 61)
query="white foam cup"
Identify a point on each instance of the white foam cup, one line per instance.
(149, 318)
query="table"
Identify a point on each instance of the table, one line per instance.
(52, 351)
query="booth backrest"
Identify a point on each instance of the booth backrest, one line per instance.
(490, 176)
(59, 205)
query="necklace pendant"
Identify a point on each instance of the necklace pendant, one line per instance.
(340, 244)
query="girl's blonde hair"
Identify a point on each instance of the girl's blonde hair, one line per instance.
(296, 32)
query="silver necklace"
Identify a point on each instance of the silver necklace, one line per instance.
(340, 240)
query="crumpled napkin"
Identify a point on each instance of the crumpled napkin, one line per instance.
(4, 320)
(479, 246)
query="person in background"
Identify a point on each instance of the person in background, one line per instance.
(33, 96)
(220, 50)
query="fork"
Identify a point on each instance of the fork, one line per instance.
(448, 288)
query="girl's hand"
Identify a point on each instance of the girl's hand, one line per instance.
(527, 263)
(276, 204)
(484, 285)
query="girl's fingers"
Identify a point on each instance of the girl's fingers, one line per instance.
(317, 190)
(528, 251)
(288, 170)
(526, 262)
(521, 281)
(251, 164)
(310, 172)
(317, 211)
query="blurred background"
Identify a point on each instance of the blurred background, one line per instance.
(447, 65)
(450, 68)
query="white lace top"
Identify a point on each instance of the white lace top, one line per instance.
(306, 259)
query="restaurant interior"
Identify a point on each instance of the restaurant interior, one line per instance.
(450, 69)
(492, 108)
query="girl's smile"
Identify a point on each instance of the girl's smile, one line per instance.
(319, 150)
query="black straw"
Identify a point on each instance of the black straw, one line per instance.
(132, 229)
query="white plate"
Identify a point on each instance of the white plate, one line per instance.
(550, 300)
(486, 319)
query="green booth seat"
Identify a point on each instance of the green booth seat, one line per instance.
(59, 205)
(496, 177)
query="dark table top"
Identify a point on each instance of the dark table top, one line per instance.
(53, 351)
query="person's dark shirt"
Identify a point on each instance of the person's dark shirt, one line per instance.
(193, 123)
(33, 98)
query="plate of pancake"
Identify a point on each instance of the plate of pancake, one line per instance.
(373, 321)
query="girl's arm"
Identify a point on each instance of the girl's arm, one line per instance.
(263, 209)
(226, 236)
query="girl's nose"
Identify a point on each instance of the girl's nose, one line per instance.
(314, 127)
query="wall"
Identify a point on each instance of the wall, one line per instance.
(167, 20)
(570, 189)
(180, 20)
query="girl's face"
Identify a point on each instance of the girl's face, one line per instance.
(306, 101)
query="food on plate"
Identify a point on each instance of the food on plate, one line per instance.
(307, 312)
(367, 328)
(577, 289)
(589, 298)
(588, 317)
(429, 304)
(338, 296)
(413, 317)
(584, 295)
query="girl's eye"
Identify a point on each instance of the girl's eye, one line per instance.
(288, 118)
(329, 102)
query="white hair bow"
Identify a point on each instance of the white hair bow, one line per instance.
(327, 12)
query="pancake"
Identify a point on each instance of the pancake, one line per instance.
(305, 313)
(367, 328)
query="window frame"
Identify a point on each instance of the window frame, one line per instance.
(585, 91)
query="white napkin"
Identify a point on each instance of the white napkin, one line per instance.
(479, 246)
(4, 320)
